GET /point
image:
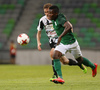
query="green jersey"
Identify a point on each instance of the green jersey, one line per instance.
(58, 25)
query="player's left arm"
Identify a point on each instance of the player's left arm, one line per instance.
(69, 23)
(66, 30)
(71, 26)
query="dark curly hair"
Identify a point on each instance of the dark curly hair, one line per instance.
(55, 8)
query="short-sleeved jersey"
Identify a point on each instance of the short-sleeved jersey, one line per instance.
(46, 24)
(58, 25)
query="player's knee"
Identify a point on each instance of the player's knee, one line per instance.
(64, 63)
(51, 55)
(80, 60)
(55, 56)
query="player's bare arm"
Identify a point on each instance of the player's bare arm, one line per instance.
(66, 30)
(71, 26)
(38, 40)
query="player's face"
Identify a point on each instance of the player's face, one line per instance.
(46, 11)
(52, 15)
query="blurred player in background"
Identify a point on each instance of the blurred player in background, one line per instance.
(66, 43)
(12, 52)
(44, 22)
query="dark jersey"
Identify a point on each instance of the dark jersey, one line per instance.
(58, 25)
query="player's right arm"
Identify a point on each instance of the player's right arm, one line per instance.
(39, 29)
(38, 40)
(71, 26)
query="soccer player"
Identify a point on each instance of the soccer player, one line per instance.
(44, 22)
(66, 43)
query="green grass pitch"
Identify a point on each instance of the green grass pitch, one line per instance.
(15, 77)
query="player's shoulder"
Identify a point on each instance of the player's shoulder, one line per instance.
(61, 17)
(43, 18)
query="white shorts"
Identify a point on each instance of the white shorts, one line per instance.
(74, 49)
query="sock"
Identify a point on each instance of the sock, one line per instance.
(88, 63)
(55, 73)
(57, 66)
(73, 62)
(80, 65)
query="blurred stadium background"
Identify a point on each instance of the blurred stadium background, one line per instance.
(18, 16)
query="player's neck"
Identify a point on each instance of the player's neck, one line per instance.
(56, 18)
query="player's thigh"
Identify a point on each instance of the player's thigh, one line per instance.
(76, 52)
(51, 52)
(57, 54)
(61, 48)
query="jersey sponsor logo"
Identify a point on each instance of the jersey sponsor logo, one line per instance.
(50, 27)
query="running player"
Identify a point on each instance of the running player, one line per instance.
(44, 22)
(66, 43)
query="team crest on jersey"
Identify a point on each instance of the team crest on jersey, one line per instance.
(55, 23)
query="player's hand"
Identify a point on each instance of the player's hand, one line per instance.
(39, 47)
(59, 40)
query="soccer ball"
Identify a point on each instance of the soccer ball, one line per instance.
(23, 39)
